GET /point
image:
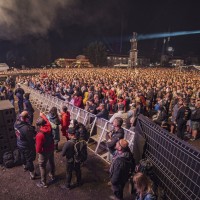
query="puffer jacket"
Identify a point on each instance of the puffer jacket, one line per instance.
(121, 167)
(25, 134)
(44, 138)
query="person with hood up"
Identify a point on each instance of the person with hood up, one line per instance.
(122, 166)
(55, 122)
(25, 134)
(45, 149)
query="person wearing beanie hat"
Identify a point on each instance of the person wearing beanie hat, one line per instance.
(69, 151)
(123, 164)
(25, 142)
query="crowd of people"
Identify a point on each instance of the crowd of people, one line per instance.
(170, 98)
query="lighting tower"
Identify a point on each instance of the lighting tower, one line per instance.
(133, 52)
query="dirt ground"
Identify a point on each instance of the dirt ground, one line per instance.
(15, 184)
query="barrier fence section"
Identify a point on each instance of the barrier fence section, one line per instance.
(177, 164)
(97, 127)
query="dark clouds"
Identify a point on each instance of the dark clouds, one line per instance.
(67, 26)
(19, 18)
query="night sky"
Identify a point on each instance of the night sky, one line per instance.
(63, 28)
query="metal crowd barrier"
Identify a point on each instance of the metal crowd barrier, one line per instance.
(177, 164)
(98, 127)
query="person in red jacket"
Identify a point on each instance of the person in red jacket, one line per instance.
(45, 149)
(78, 101)
(65, 120)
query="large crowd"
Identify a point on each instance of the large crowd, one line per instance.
(169, 97)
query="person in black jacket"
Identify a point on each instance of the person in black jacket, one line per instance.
(28, 107)
(10, 96)
(183, 115)
(122, 166)
(103, 112)
(114, 136)
(19, 92)
(195, 118)
(25, 142)
(69, 152)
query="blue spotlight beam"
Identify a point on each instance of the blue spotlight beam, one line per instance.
(163, 35)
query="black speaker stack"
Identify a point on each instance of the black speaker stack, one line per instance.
(8, 140)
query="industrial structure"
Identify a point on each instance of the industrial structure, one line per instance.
(132, 62)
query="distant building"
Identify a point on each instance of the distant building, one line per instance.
(113, 60)
(142, 61)
(3, 67)
(176, 62)
(79, 62)
(131, 60)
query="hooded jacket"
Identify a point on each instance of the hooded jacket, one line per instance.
(44, 138)
(25, 134)
(121, 167)
(65, 122)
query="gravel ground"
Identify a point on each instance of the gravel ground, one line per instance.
(15, 184)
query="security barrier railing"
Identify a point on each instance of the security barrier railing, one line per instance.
(97, 127)
(177, 164)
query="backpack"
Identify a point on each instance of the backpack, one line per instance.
(49, 139)
(17, 157)
(80, 149)
(8, 160)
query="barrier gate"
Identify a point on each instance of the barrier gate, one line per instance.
(177, 164)
(97, 127)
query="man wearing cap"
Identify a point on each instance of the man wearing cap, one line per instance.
(69, 152)
(25, 142)
(45, 149)
(122, 166)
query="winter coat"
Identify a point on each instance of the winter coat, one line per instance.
(103, 114)
(78, 102)
(121, 168)
(65, 122)
(25, 134)
(44, 143)
(55, 122)
(68, 150)
(28, 107)
(147, 196)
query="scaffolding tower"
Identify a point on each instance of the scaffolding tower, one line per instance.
(133, 52)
